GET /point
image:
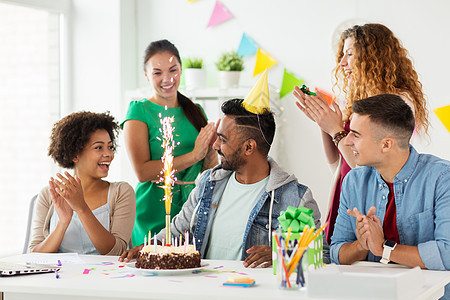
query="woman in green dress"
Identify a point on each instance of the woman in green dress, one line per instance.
(192, 135)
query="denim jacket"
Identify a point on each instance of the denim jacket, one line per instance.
(197, 214)
(422, 200)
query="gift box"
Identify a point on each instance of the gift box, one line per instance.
(294, 220)
(313, 257)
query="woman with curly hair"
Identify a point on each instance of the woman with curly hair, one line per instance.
(370, 61)
(83, 213)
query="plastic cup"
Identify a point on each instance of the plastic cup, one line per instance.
(297, 278)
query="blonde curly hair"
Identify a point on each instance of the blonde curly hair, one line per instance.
(381, 65)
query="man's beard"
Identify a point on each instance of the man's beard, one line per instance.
(234, 161)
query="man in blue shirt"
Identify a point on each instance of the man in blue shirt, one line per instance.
(396, 206)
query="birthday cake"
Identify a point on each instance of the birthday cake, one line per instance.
(168, 257)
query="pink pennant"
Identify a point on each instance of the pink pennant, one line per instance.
(220, 14)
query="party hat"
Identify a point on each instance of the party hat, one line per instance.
(258, 99)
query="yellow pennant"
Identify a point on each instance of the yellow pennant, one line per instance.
(258, 98)
(443, 114)
(263, 61)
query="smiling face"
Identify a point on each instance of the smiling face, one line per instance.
(163, 71)
(347, 60)
(96, 156)
(229, 145)
(366, 147)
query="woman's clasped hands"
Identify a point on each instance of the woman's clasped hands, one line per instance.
(317, 109)
(67, 196)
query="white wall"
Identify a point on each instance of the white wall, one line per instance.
(298, 33)
(103, 64)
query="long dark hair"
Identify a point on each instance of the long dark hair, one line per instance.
(193, 112)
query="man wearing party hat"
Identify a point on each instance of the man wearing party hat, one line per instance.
(235, 206)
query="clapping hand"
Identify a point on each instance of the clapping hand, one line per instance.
(369, 230)
(316, 108)
(70, 189)
(204, 140)
(62, 208)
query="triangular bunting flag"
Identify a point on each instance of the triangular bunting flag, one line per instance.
(263, 61)
(289, 81)
(443, 114)
(327, 96)
(247, 46)
(258, 98)
(219, 15)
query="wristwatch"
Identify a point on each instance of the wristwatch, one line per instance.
(388, 246)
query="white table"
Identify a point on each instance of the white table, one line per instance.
(104, 283)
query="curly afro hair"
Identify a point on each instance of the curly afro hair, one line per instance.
(71, 134)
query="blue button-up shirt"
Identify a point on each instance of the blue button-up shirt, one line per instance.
(422, 199)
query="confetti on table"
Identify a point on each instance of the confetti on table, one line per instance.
(86, 271)
(123, 276)
(108, 263)
(218, 267)
(216, 271)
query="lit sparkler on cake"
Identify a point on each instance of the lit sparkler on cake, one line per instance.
(173, 254)
(168, 173)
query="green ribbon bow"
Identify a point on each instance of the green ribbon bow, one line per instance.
(296, 219)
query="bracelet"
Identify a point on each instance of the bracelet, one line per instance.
(339, 136)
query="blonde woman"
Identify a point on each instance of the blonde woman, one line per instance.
(370, 61)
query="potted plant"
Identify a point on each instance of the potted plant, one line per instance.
(195, 75)
(230, 65)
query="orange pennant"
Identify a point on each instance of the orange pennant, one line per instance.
(327, 96)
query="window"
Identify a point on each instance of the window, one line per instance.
(29, 105)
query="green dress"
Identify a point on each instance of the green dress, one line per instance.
(150, 209)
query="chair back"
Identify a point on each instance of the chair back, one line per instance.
(30, 217)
